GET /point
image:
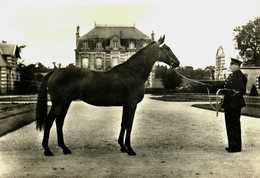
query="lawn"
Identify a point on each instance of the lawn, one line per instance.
(252, 110)
(15, 116)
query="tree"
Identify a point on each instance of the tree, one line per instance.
(41, 68)
(160, 71)
(171, 80)
(247, 38)
(197, 74)
(30, 78)
(211, 70)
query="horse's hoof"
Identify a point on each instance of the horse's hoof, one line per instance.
(131, 153)
(67, 151)
(48, 153)
(123, 149)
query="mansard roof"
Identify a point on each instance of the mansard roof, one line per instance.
(106, 32)
(9, 50)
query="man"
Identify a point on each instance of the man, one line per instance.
(235, 86)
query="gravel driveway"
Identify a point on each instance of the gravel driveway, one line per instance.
(172, 139)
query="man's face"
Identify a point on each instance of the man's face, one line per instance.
(234, 67)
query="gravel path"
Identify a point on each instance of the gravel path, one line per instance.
(172, 139)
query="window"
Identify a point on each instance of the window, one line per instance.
(85, 62)
(98, 63)
(99, 45)
(115, 44)
(114, 61)
(131, 45)
(85, 45)
(258, 82)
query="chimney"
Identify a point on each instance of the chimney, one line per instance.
(152, 36)
(77, 36)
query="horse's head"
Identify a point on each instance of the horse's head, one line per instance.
(165, 53)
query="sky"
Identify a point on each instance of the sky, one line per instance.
(193, 29)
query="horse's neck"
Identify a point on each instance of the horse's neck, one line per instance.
(141, 65)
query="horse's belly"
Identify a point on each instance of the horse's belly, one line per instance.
(104, 99)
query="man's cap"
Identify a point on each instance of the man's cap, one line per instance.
(235, 61)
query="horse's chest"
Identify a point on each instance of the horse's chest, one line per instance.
(137, 96)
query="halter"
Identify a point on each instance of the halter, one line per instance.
(218, 99)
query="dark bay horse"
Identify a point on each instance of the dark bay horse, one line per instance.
(122, 86)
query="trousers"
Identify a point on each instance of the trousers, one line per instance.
(233, 127)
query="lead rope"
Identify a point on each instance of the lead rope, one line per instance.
(215, 108)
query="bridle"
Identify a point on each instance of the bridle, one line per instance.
(218, 99)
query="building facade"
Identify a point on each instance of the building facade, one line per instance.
(104, 47)
(9, 53)
(253, 77)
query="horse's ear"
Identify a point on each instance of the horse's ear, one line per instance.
(161, 40)
(163, 37)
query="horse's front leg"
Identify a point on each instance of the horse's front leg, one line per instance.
(122, 131)
(129, 124)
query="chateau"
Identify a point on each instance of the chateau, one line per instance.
(105, 46)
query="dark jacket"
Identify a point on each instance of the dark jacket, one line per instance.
(236, 81)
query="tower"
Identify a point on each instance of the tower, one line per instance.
(220, 64)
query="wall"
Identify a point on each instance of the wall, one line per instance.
(252, 73)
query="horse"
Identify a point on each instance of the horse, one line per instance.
(123, 85)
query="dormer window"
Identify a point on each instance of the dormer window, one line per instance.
(131, 45)
(99, 45)
(85, 45)
(115, 44)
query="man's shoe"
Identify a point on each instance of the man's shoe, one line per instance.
(233, 150)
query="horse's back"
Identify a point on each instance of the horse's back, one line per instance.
(66, 83)
(78, 83)
(112, 88)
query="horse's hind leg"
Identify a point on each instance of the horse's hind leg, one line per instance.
(47, 128)
(59, 124)
(129, 124)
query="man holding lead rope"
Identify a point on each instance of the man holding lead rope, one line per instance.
(234, 89)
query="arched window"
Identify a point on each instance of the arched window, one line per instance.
(85, 62)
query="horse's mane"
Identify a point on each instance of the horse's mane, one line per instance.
(135, 58)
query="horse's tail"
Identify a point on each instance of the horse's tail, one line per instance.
(41, 107)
